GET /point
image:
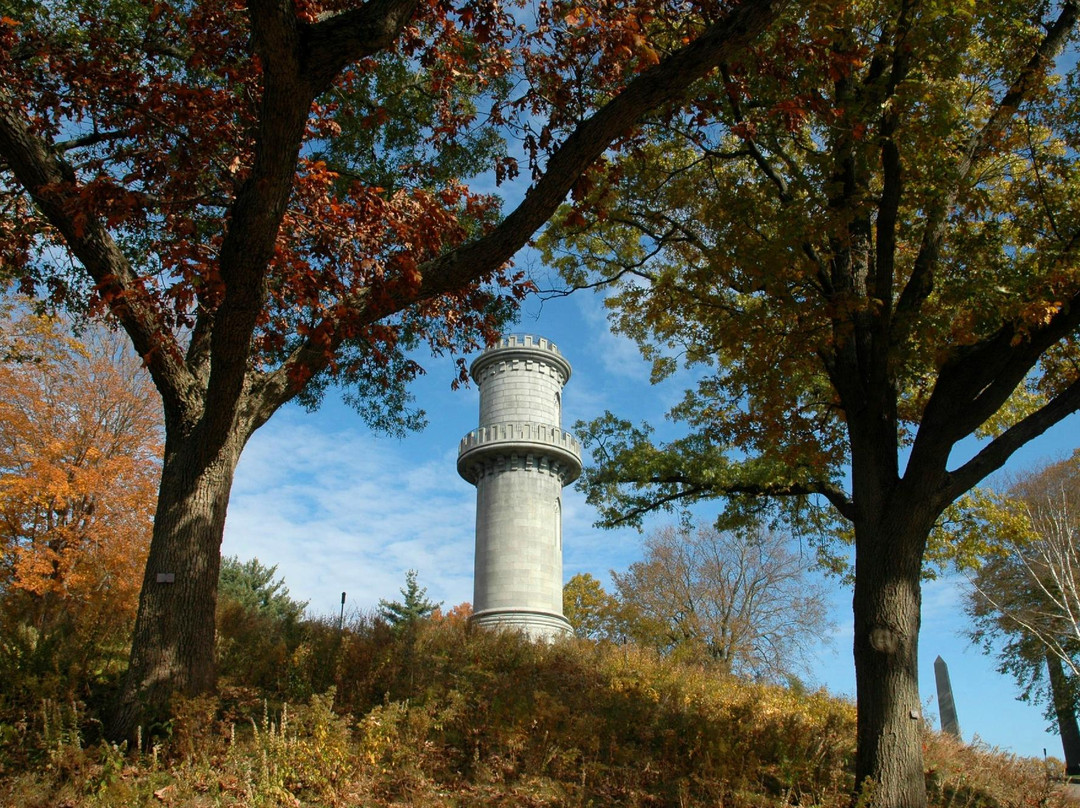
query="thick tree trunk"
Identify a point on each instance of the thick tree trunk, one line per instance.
(172, 649)
(887, 602)
(1065, 709)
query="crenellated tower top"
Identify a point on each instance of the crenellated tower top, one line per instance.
(524, 348)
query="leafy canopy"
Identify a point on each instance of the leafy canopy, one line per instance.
(594, 613)
(80, 448)
(157, 110)
(80, 445)
(861, 240)
(867, 246)
(162, 123)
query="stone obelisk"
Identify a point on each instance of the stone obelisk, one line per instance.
(519, 459)
(950, 722)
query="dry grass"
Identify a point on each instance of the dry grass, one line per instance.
(477, 719)
(960, 775)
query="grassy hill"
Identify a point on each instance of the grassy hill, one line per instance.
(438, 715)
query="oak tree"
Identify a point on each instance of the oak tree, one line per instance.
(270, 197)
(866, 249)
(598, 615)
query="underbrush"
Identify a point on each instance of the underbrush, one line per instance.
(443, 716)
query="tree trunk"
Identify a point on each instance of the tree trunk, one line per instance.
(887, 602)
(172, 649)
(1062, 692)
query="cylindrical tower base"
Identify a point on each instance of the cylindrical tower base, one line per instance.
(518, 537)
(534, 625)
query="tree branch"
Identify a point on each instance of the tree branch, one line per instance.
(299, 61)
(667, 81)
(634, 270)
(472, 262)
(921, 282)
(1024, 83)
(892, 179)
(332, 43)
(89, 140)
(1000, 449)
(51, 183)
(976, 380)
(755, 152)
(651, 505)
(837, 497)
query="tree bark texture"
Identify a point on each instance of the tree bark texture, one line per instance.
(1062, 692)
(890, 540)
(173, 641)
(889, 765)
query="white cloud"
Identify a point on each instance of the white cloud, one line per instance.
(338, 510)
(618, 355)
(942, 600)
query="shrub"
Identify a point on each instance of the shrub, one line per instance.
(443, 715)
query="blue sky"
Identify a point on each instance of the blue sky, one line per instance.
(340, 509)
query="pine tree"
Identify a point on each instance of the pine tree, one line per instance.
(415, 606)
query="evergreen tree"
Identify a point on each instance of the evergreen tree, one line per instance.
(413, 608)
(259, 626)
(251, 585)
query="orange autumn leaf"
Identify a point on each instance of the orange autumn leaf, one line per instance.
(79, 448)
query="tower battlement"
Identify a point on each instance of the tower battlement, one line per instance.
(519, 438)
(532, 352)
(525, 341)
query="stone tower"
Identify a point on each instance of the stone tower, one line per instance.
(519, 460)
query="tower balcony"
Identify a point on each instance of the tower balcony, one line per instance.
(519, 438)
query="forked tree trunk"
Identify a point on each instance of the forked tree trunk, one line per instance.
(1064, 696)
(887, 601)
(172, 650)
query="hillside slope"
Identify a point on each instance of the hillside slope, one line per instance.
(438, 715)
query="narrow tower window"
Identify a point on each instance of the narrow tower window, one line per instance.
(558, 523)
(558, 410)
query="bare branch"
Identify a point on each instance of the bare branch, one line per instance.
(1050, 565)
(837, 497)
(554, 294)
